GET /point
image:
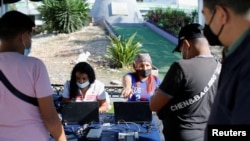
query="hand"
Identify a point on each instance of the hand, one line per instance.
(127, 92)
(102, 109)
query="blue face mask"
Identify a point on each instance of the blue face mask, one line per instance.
(27, 51)
(82, 85)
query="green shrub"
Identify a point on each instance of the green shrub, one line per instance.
(11, 7)
(122, 52)
(64, 16)
(171, 20)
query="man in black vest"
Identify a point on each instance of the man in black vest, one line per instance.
(184, 99)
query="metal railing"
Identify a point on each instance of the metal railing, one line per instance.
(113, 91)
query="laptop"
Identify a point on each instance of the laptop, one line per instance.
(132, 111)
(80, 112)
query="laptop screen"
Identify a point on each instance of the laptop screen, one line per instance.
(132, 111)
(80, 112)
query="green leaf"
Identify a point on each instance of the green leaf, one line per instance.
(122, 51)
(64, 16)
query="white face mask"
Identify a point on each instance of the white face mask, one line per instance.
(82, 85)
(184, 55)
(27, 49)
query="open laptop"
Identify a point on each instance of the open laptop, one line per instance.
(132, 111)
(80, 112)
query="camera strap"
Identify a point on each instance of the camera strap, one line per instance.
(199, 96)
(17, 93)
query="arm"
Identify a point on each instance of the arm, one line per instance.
(168, 88)
(158, 100)
(103, 97)
(127, 86)
(103, 106)
(65, 94)
(50, 118)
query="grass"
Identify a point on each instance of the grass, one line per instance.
(111, 111)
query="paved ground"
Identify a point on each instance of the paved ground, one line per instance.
(60, 53)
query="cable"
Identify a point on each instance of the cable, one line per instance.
(139, 130)
(123, 121)
(129, 128)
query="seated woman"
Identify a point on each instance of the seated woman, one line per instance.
(83, 86)
(141, 84)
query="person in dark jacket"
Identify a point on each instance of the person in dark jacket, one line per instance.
(229, 22)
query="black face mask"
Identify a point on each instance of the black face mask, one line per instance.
(211, 37)
(144, 73)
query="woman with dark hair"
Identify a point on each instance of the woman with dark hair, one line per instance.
(141, 84)
(83, 86)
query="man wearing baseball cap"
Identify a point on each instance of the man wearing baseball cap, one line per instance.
(189, 32)
(184, 98)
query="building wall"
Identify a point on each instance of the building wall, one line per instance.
(142, 5)
(116, 11)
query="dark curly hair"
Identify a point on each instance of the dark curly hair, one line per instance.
(81, 67)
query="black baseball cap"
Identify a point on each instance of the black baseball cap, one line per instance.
(190, 31)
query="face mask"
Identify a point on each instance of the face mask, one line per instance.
(211, 37)
(27, 51)
(186, 55)
(181, 49)
(144, 73)
(82, 85)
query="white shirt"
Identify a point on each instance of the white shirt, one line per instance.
(95, 92)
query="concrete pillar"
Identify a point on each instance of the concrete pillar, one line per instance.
(200, 15)
(4, 8)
